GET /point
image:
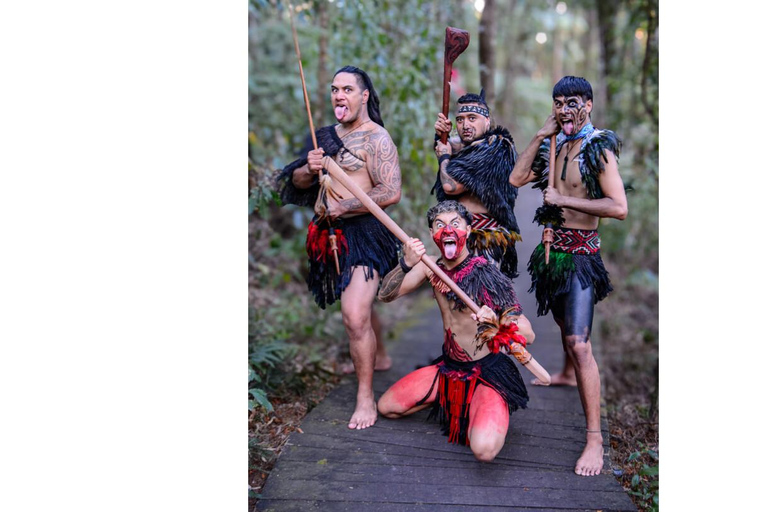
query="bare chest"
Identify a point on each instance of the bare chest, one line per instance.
(567, 173)
(462, 326)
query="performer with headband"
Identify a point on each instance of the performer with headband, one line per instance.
(342, 229)
(587, 187)
(474, 170)
(472, 387)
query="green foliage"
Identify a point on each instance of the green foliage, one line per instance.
(261, 194)
(267, 350)
(645, 482)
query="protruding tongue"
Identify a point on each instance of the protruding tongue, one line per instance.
(449, 250)
(568, 127)
(339, 112)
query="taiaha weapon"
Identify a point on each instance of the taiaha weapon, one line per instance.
(456, 41)
(325, 185)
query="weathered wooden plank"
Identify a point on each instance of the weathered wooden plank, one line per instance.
(301, 505)
(529, 431)
(488, 475)
(428, 435)
(431, 446)
(453, 492)
(316, 455)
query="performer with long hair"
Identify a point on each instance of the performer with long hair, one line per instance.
(349, 250)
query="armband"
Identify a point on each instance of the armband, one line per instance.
(403, 266)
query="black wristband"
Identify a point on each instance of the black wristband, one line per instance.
(403, 266)
(442, 158)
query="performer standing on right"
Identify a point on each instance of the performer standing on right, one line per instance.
(587, 187)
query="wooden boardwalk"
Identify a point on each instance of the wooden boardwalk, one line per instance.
(407, 465)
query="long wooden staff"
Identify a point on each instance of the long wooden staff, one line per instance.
(301, 73)
(331, 232)
(456, 41)
(520, 353)
(548, 236)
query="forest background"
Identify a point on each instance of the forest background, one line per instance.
(125, 260)
(518, 49)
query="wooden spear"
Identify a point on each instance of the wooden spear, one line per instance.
(456, 41)
(331, 232)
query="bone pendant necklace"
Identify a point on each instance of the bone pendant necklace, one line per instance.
(565, 163)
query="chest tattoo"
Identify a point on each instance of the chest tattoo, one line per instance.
(354, 146)
(349, 161)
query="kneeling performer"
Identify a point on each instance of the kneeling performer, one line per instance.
(472, 387)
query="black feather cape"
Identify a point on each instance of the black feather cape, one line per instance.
(482, 281)
(289, 194)
(593, 159)
(483, 168)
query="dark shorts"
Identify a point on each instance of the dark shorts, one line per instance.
(575, 266)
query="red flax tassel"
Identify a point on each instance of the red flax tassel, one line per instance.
(322, 243)
(459, 388)
(317, 242)
(505, 337)
(456, 399)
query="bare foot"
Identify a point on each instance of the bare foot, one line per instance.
(382, 363)
(364, 415)
(591, 461)
(558, 379)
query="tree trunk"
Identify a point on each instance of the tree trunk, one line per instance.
(487, 35)
(322, 65)
(504, 110)
(557, 52)
(606, 13)
(650, 49)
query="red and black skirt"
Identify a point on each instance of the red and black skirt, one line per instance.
(456, 382)
(361, 241)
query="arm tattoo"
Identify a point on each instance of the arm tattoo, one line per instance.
(390, 285)
(447, 180)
